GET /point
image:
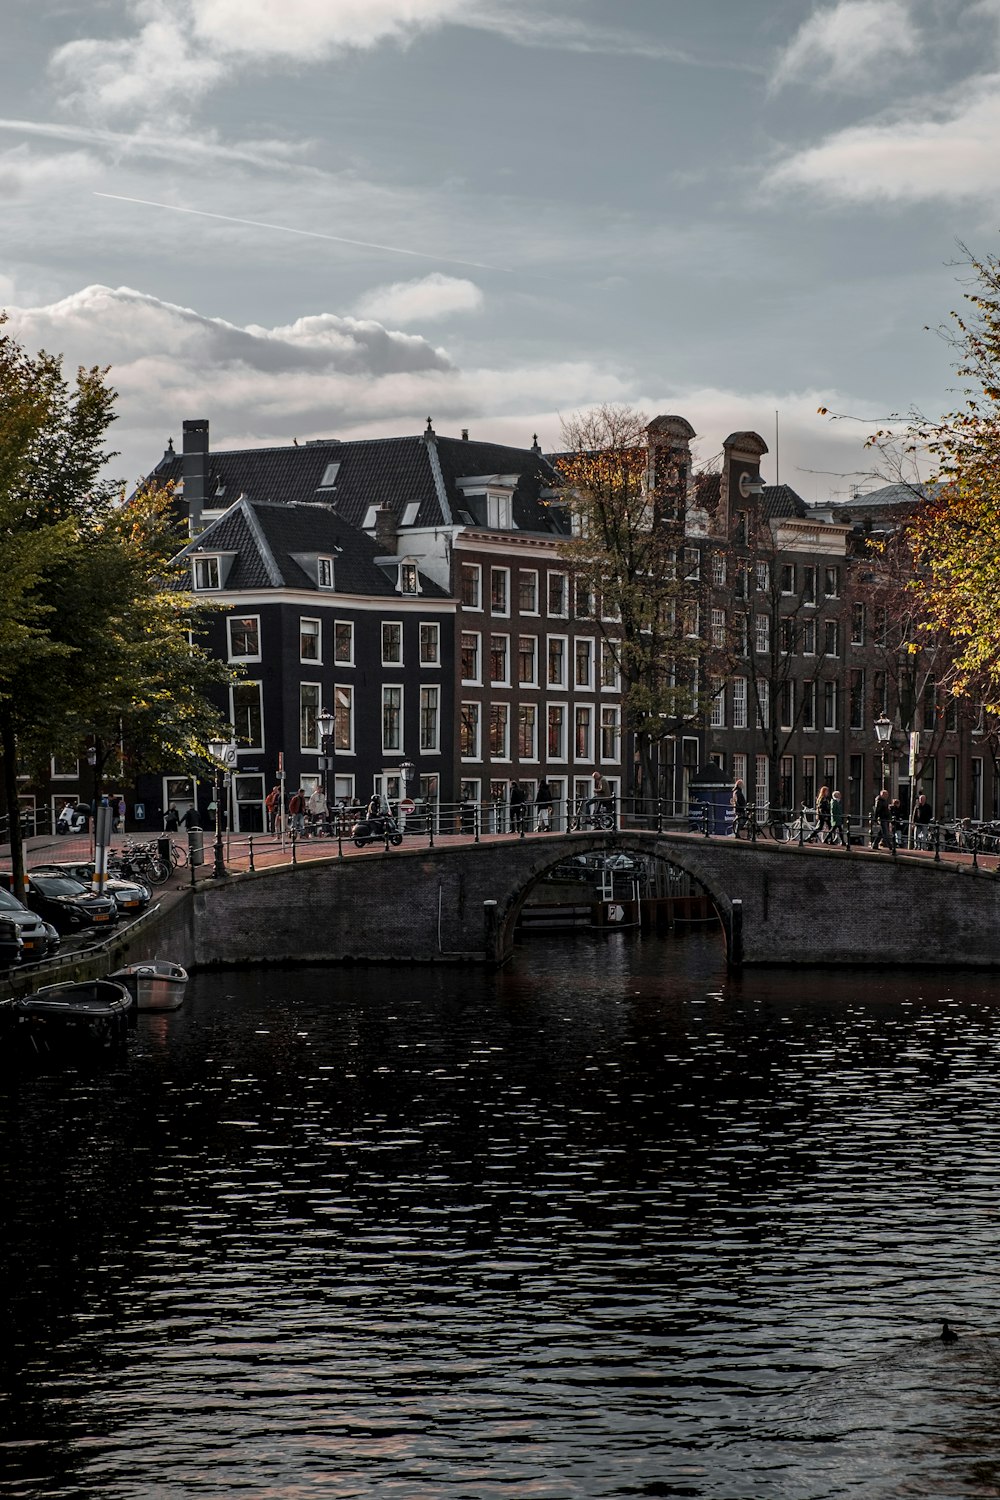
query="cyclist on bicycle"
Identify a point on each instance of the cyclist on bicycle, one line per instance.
(600, 807)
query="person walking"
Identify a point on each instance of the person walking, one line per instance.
(272, 803)
(738, 803)
(543, 807)
(517, 807)
(923, 817)
(171, 820)
(192, 818)
(297, 811)
(318, 809)
(838, 832)
(882, 821)
(822, 825)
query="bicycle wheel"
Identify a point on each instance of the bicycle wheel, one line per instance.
(153, 871)
(178, 855)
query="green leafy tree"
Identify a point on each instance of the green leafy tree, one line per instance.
(100, 640)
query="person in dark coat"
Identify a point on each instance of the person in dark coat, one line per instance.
(171, 820)
(923, 817)
(543, 807)
(738, 802)
(882, 816)
(192, 818)
(517, 804)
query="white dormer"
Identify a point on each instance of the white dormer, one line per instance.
(210, 570)
(408, 577)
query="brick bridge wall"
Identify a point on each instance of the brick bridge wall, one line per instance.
(799, 905)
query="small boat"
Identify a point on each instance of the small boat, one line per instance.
(154, 984)
(94, 1013)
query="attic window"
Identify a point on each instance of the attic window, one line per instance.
(409, 579)
(369, 519)
(498, 511)
(220, 490)
(411, 513)
(324, 572)
(206, 573)
(329, 477)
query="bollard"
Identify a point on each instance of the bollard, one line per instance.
(659, 815)
(975, 848)
(802, 826)
(294, 852)
(385, 835)
(340, 838)
(937, 843)
(250, 848)
(475, 824)
(430, 832)
(753, 825)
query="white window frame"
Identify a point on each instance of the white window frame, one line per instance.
(586, 684)
(739, 703)
(343, 661)
(504, 681)
(243, 684)
(562, 709)
(475, 721)
(434, 627)
(475, 635)
(471, 572)
(343, 713)
(583, 716)
(527, 713)
(304, 746)
(387, 688)
(317, 660)
(430, 745)
(243, 656)
(554, 576)
(527, 573)
(717, 719)
(325, 573)
(391, 661)
(610, 716)
(501, 612)
(531, 681)
(611, 681)
(762, 633)
(500, 707)
(563, 682)
(206, 572)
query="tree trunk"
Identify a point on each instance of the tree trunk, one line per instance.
(8, 748)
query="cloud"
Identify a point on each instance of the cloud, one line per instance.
(326, 375)
(433, 296)
(910, 159)
(843, 46)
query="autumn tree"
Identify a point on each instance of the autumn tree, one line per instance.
(626, 487)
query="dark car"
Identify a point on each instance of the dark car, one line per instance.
(11, 944)
(34, 937)
(67, 903)
(131, 896)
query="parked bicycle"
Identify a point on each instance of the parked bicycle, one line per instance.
(767, 825)
(140, 862)
(593, 813)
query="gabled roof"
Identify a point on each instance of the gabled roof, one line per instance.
(268, 538)
(395, 472)
(778, 500)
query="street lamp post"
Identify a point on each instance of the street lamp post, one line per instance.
(326, 724)
(883, 733)
(219, 752)
(406, 770)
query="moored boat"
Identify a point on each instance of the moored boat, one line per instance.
(154, 983)
(92, 1014)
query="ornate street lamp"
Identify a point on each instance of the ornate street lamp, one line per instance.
(326, 723)
(883, 734)
(219, 752)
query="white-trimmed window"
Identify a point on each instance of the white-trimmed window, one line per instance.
(244, 637)
(611, 732)
(557, 661)
(829, 705)
(469, 732)
(719, 569)
(831, 581)
(392, 643)
(762, 633)
(857, 624)
(557, 594)
(586, 604)
(469, 656)
(527, 731)
(808, 637)
(343, 642)
(611, 677)
(808, 583)
(500, 591)
(343, 719)
(788, 578)
(831, 634)
(761, 785)
(763, 705)
(430, 643)
(500, 731)
(692, 564)
(64, 770)
(786, 704)
(739, 703)
(500, 660)
(498, 511)
(310, 640)
(471, 581)
(740, 767)
(409, 578)
(718, 629)
(557, 731)
(809, 705)
(309, 704)
(527, 591)
(583, 732)
(324, 572)
(246, 715)
(583, 657)
(392, 719)
(527, 660)
(430, 719)
(762, 576)
(718, 715)
(206, 573)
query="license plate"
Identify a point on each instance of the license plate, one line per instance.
(101, 916)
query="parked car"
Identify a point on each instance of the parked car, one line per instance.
(11, 944)
(131, 896)
(35, 940)
(66, 902)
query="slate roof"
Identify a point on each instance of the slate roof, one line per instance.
(375, 471)
(778, 500)
(266, 535)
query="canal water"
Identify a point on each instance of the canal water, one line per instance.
(610, 1223)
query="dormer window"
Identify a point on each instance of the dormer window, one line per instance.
(411, 512)
(409, 579)
(329, 477)
(324, 572)
(498, 511)
(206, 573)
(369, 520)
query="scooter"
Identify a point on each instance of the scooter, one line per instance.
(370, 829)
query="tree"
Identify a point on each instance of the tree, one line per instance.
(955, 533)
(98, 634)
(627, 483)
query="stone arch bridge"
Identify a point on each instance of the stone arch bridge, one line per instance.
(778, 904)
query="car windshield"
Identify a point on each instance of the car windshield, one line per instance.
(58, 885)
(9, 902)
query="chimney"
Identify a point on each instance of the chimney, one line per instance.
(386, 530)
(194, 471)
(465, 434)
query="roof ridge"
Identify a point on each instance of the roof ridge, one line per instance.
(267, 556)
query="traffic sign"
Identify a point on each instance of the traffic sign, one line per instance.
(407, 806)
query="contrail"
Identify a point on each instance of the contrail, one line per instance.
(312, 234)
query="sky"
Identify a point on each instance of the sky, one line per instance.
(335, 218)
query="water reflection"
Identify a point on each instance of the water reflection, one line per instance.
(611, 1223)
